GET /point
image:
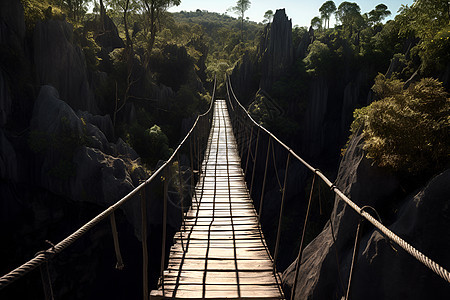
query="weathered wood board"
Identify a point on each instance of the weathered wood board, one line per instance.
(220, 251)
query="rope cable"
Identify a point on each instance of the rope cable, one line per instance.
(432, 265)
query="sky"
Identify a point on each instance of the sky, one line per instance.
(300, 11)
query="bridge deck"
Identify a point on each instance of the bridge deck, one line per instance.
(220, 252)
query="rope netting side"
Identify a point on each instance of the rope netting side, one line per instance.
(419, 256)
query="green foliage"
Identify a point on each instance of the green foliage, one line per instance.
(316, 23)
(171, 64)
(76, 8)
(326, 10)
(220, 33)
(268, 16)
(428, 20)
(379, 13)
(241, 7)
(90, 48)
(385, 87)
(39, 10)
(348, 12)
(408, 130)
(318, 59)
(151, 143)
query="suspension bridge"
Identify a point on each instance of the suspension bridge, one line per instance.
(220, 251)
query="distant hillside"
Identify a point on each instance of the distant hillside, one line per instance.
(226, 44)
(213, 22)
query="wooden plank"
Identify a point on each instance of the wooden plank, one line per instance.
(223, 254)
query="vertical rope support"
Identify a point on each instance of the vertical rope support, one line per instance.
(254, 162)
(243, 132)
(198, 156)
(164, 229)
(264, 180)
(354, 258)
(192, 170)
(145, 293)
(46, 281)
(237, 133)
(119, 263)
(300, 250)
(277, 244)
(183, 227)
(249, 147)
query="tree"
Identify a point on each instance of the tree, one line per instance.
(407, 130)
(318, 59)
(349, 14)
(77, 8)
(378, 14)
(268, 16)
(316, 23)
(125, 6)
(326, 10)
(241, 7)
(153, 10)
(428, 20)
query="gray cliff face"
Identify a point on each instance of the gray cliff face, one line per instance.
(278, 52)
(245, 82)
(15, 68)
(330, 112)
(61, 64)
(381, 272)
(313, 123)
(109, 38)
(104, 171)
(12, 23)
(5, 100)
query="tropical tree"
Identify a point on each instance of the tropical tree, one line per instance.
(241, 7)
(349, 14)
(407, 130)
(153, 10)
(268, 16)
(429, 20)
(76, 8)
(316, 23)
(326, 10)
(125, 7)
(379, 13)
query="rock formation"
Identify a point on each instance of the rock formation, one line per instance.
(109, 38)
(277, 50)
(91, 169)
(274, 57)
(384, 270)
(61, 64)
(5, 101)
(244, 79)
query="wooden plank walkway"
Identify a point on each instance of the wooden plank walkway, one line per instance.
(220, 252)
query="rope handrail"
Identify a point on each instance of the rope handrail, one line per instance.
(432, 265)
(45, 255)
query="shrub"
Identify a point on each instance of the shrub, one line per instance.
(151, 143)
(408, 130)
(318, 59)
(39, 10)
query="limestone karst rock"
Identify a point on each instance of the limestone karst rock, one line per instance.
(383, 271)
(61, 63)
(278, 53)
